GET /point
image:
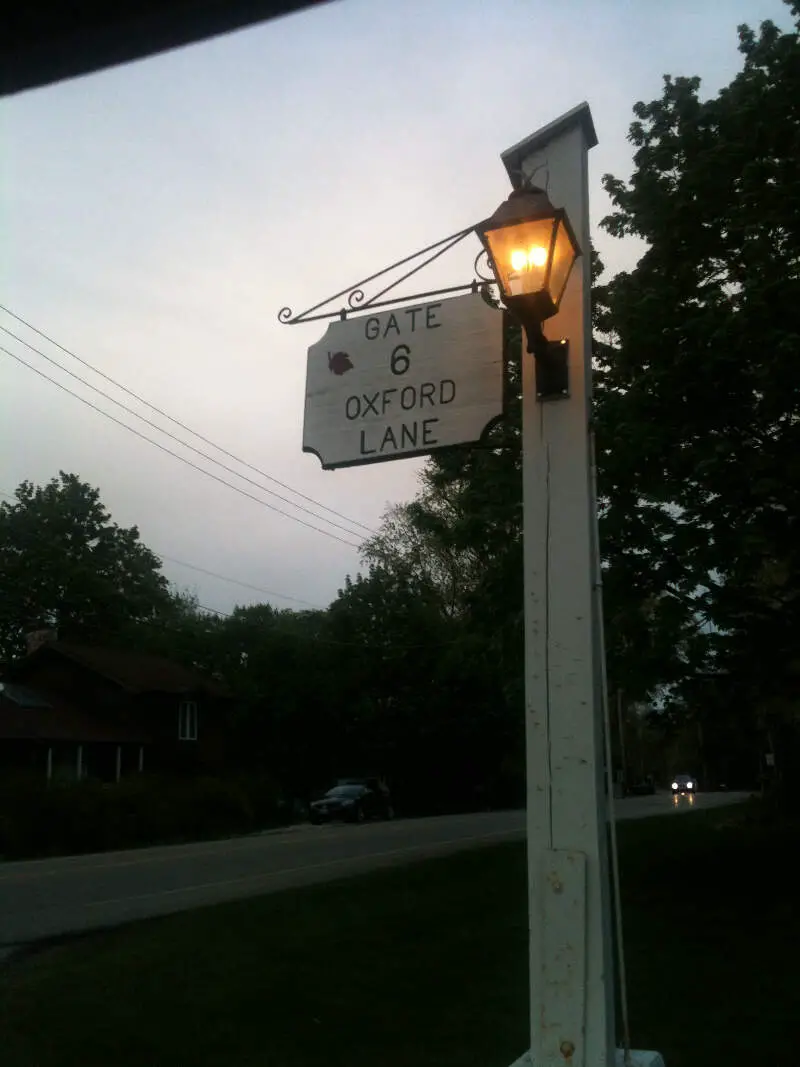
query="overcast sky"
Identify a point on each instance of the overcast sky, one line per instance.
(157, 216)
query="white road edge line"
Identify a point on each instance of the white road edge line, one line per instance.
(257, 878)
(165, 853)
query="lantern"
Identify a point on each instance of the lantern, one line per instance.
(532, 249)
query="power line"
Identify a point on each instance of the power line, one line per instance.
(174, 437)
(214, 574)
(175, 455)
(235, 581)
(177, 422)
(297, 636)
(216, 611)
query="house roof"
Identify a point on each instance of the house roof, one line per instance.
(135, 672)
(28, 714)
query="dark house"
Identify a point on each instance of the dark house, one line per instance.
(41, 733)
(82, 711)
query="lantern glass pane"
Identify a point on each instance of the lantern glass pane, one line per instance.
(564, 256)
(521, 254)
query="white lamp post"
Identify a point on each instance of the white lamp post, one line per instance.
(533, 247)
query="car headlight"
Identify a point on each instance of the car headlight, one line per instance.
(674, 785)
(690, 785)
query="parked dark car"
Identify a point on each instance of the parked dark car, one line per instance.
(351, 802)
(377, 785)
(684, 785)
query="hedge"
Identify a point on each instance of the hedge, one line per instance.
(41, 820)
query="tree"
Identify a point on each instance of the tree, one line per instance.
(695, 412)
(699, 401)
(422, 698)
(65, 565)
(449, 564)
(280, 667)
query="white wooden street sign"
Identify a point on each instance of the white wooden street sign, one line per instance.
(404, 382)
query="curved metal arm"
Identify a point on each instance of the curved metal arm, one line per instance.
(355, 295)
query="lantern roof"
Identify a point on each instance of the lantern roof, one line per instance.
(522, 205)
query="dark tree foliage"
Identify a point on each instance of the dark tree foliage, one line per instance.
(65, 565)
(699, 413)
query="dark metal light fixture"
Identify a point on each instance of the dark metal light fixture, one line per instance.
(532, 249)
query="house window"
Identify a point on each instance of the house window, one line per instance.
(187, 721)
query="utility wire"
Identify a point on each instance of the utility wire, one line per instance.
(297, 636)
(216, 611)
(235, 581)
(177, 422)
(175, 455)
(174, 437)
(214, 574)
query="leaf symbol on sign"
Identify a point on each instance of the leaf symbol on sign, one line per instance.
(339, 363)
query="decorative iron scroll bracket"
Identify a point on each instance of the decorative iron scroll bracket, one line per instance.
(357, 300)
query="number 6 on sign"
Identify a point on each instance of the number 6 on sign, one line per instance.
(400, 362)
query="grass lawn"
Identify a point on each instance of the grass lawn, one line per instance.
(426, 965)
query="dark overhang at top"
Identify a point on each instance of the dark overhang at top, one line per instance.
(47, 41)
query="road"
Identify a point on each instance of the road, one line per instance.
(42, 899)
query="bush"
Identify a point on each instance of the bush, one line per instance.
(266, 800)
(37, 820)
